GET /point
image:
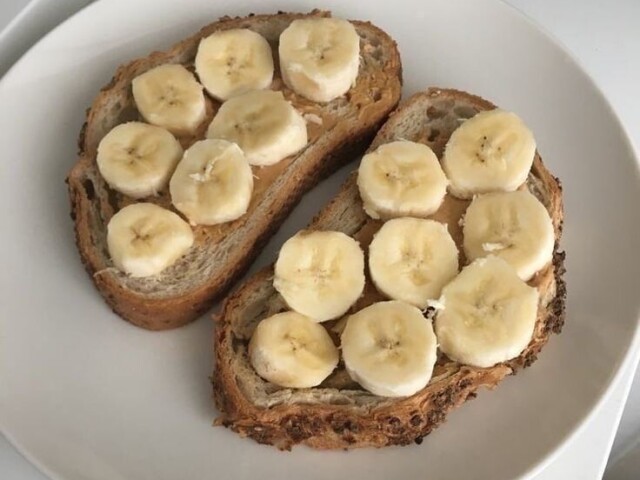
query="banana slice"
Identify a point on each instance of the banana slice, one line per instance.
(320, 57)
(401, 179)
(514, 226)
(265, 126)
(143, 239)
(170, 96)
(389, 348)
(320, 274)
(231, 62)
(492, 151)
(292, 351)
(411, 259)
(213, 183)
(489, 314)
(138, 159)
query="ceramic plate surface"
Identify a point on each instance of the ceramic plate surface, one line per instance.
(87, 396)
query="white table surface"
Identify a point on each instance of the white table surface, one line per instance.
(605, 38)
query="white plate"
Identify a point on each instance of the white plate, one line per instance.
(87, 396)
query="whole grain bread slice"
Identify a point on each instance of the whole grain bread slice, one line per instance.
(337, 131)
(339, 413)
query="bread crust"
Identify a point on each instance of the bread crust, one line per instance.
(337, 141)
(350, 422)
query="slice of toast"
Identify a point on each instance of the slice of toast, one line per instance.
(337, 131)
(339, 413)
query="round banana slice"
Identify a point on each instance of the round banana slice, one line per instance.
(492, 151)
(514, 226)
(401, 179)
(169, 96)
(320, 274)
(389, 348)
(320, 57)
(292, 351)
(265, 126)
(138, 159)
(231, 62)
(411, 259)
(213, 183)
(143, 239)
(489, 314)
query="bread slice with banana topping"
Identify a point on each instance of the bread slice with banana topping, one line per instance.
(163, 89)
(342, 411)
